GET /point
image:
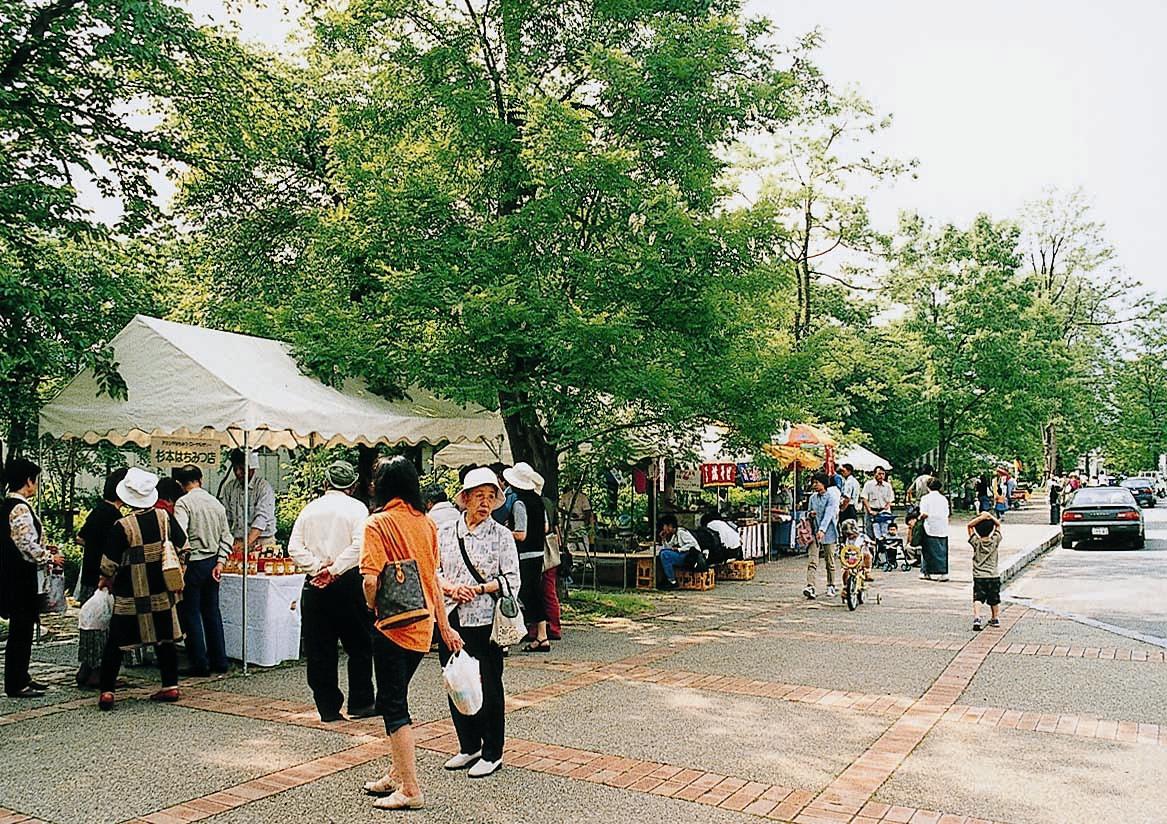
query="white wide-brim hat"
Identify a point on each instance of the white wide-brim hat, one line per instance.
(139, 489)
(522, 476)
(482, 476)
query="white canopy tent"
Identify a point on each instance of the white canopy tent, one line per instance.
(458, 455)
(249, 392)
(863, 459)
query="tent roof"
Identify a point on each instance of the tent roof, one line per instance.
(458, 455)
(190, 380)
(862, 459)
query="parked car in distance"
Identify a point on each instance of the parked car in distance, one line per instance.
(1105, 514)
(1142, 488)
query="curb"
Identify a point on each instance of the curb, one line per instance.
(1021, 560)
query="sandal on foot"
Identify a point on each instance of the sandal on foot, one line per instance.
(385, 785)
(538, 646)
(105, 701)
(400, 801)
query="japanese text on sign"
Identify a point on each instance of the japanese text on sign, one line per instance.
(718, 474)
(172, 452)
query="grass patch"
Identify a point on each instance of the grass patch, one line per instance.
(586, 603)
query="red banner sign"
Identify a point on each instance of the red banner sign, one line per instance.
(718, 474)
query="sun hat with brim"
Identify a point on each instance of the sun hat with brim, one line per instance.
(522, 476)
(139, 489)
(341, 475)
(483, 476)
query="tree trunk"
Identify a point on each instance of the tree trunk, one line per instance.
(529, 442)
(1049, 445)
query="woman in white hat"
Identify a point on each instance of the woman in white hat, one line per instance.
(528, 523)
(144, 609)
(477, 556)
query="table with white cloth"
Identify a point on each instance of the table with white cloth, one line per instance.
(273, 617)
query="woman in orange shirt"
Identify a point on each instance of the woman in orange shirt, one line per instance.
(400, 531)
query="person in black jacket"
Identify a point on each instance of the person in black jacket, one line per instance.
(92, 536)
(528, 522)
(22, 556)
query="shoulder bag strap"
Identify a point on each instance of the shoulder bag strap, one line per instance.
(469, 565)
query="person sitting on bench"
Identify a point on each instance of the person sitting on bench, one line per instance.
(677, 549)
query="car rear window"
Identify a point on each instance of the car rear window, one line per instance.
(1103, 496)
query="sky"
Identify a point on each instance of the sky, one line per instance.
(1000, 99)
(996, 99)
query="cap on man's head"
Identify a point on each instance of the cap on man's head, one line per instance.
(341, 475)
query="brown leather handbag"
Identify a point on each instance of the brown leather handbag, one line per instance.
(400, 598)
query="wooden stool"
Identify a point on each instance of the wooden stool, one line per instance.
(699, 581)
(736, 571)
(646, 573)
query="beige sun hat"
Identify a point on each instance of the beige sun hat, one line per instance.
(482, 476)
(139, 489)
(522, 476)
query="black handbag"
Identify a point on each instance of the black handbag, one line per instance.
(400, 598)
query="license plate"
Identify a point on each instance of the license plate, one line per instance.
(1100, 530)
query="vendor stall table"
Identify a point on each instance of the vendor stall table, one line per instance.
(273, 617)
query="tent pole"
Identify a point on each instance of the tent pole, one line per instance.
(769, 514)
(246, 533)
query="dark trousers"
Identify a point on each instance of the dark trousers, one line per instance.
(395, 667)
(201, 619)
(111, 664)
(486, 730)
(338, 613)
(531, 590)
(1055, 514)
(18, 650)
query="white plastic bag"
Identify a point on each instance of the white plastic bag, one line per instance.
(96, 612)
(463, 680)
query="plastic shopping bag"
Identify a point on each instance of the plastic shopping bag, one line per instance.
(463, 680)
(54, 594)
(96, 612)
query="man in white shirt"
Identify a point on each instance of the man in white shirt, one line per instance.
(326, 542)
(934, 511)
(919, 487)
(877, 497)
(677, 543)
(851, 493)
(438, 507)
(726, 532)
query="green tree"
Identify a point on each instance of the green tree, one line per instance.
(1134, 400)
(982, 355)
(816, 175)
(1072, 266)
(520, 204)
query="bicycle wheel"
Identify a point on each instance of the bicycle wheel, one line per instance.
(849, 592)
(860, 587)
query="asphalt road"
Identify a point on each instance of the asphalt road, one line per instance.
(1118, 587)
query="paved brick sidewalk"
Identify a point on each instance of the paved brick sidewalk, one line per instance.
(742, 704)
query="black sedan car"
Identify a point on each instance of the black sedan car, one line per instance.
(1142, 488)
(1107, 514)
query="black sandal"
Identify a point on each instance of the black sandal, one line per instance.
(538, 646)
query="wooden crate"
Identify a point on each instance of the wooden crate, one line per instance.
(736, 571)
(645, 573)
(699, 581)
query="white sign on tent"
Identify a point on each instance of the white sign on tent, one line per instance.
(167, 452)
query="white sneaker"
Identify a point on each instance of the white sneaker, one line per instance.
(832, 592)
(461, 761)
(809, 592)
(484, 768)
(941, 578)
